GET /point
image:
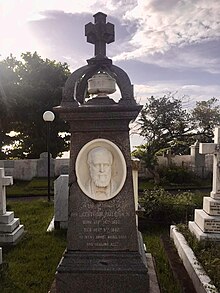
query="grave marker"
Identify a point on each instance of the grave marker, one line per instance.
(10, 228)
(207, 221)
(104, 249)
(4, 181)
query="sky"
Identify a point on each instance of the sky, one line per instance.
(163, 45)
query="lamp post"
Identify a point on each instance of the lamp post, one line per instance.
(48, 117)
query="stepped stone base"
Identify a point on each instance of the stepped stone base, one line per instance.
(112, 272)
(13, 237)
(207, 223)
(10, 229)
(200, 235)
(211, 206)
(7, 218)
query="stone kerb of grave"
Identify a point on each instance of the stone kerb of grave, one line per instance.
(207, 221)
(10, 228)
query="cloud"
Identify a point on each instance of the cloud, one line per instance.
(189, 93)
(62, 36)
(166, 27)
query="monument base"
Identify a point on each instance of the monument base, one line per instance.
(110, 272)
(200, 235)
(10, 229)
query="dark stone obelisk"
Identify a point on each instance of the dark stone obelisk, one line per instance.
(104, 249)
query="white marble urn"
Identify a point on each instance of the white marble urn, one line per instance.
(101, 83)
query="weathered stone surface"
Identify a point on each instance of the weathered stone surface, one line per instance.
(206, 223)
(104, 252)
(10, 227)
(42, 165)
(61, 193)
(12, 237)
(6, 218)
(211, 206)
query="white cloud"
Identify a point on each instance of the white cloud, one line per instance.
(166, 25)
(190, 92)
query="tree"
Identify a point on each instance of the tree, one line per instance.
(164, 124)
(29, 88)
(205, 116)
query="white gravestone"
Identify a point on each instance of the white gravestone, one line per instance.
(4, 181)
(10, 228)
(207, 221)
(61, 192)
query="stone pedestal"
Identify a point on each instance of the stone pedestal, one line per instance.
(103, 251)
(10, 228)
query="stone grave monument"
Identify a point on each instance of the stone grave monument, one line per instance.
(61, 194)
(104, 249)
(206, 224)
(10, 228)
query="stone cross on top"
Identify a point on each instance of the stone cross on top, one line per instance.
(4, 181)
(100, 33)
(214, 149)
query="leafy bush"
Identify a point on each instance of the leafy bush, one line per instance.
(177, 175)
(163, 207)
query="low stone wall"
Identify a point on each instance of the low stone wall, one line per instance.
(29, 168)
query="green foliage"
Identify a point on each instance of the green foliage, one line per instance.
(206, 115)
(28, 88)
(166, 126)
(177, 175)
(30, 265)
(152, 239)
(207, 253)
(163, 207)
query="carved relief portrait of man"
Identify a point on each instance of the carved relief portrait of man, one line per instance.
(100, 169)
(101, 184)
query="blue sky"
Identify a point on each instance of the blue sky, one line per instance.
(164, 45)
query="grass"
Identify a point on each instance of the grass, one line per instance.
(35, 187)
(152, 239)
(30, 265)
(149, 184)
(207, 253)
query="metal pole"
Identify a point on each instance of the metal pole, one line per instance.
(48, 161)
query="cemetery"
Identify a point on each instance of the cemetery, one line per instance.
(99, 233)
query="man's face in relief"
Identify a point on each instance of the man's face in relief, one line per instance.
(100, 162)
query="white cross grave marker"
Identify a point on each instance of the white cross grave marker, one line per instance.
(4, 181)
(214, 149)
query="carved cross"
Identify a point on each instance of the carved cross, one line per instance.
(4, 181)
(100, 33)
(214, 149)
